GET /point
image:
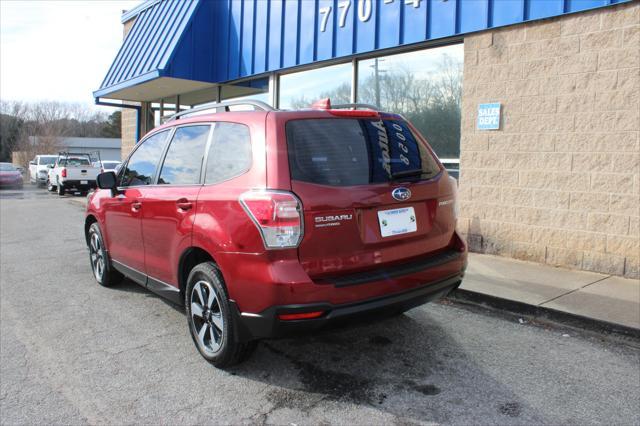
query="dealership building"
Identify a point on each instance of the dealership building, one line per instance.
(536, 101)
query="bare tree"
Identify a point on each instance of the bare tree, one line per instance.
(29, 129)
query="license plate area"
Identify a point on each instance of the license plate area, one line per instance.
(397, 221)
(84, 182)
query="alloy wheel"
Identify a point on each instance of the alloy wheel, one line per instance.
(206, 318)
(97, 256)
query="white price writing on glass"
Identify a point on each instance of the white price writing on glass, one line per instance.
(401, 143)
(365, 9)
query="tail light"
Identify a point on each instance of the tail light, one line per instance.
(63, 172)
(278, 216)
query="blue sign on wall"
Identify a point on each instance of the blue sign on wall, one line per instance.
(489, 116)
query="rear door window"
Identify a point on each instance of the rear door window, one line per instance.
(183, 162)
(346, 152)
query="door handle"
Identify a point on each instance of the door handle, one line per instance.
(184, 204)
(136, 206)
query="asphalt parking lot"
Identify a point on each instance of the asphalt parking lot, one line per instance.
(72, 352)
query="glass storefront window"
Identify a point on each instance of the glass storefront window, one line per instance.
(301, 89)
(425, 86)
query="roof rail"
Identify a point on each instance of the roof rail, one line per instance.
(355, 106)
(222, 107)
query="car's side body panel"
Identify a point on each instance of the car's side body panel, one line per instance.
(168, 214)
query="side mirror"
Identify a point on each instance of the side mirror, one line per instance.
(32, 163)
(108, 180)
(51, 166)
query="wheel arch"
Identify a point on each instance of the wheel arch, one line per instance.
(191, 257)
(89, 220)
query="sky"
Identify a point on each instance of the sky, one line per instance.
(58, 50)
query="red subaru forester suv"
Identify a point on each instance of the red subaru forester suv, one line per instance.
(267, 222)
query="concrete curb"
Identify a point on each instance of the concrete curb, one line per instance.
(544, 314)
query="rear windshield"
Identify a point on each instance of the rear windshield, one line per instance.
(344, 152)
(75, 162)
(47, 160)
(6, 167)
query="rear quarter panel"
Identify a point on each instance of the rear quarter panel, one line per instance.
(221, 224)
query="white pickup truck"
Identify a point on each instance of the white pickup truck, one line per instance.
(72, 172)
(39, 168)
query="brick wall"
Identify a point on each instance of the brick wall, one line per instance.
(559, 182)
(128, 115)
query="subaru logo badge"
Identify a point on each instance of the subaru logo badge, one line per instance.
(401, 194)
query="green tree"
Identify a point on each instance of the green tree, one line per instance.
(113, 126)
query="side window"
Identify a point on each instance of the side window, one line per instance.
(141, 166)
(230, 152)
(184, 158)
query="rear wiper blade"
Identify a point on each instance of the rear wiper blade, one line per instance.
(406, 174)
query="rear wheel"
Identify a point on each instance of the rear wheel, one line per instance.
(211, 323)
(104, 274)
(60, 188)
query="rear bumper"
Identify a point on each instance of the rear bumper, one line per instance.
(78, 185)
(11, 183)
(267, 325)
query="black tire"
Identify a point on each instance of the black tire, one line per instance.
(103, 272)
(50, 187)
(215, 319)
(60, 188)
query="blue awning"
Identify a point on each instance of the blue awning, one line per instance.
(150, 62)
(187, 46)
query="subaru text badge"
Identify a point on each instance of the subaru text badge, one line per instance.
(401, 194)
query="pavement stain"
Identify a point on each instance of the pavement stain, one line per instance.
(334, 385)
(427, 389)
(380, 341)
(511, 409)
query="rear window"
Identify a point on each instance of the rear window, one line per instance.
(74, 162)
(6, 167)
(345, 152)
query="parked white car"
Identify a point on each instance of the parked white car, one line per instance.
(111, 166)
(39, 170)
(72, 172)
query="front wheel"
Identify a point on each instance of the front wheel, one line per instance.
(50, 186)
(104, 274)
(211, 323)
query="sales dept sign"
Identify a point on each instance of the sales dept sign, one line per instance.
(489, 116)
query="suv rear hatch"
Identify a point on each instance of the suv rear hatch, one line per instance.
(370, 189)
